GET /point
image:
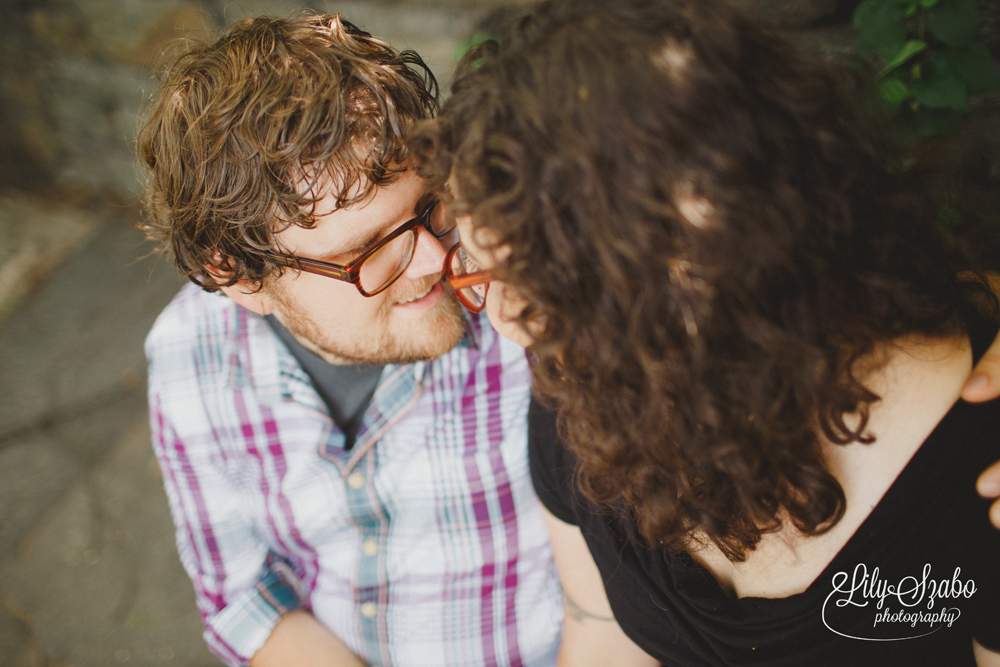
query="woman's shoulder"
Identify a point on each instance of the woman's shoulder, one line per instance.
(918, 384)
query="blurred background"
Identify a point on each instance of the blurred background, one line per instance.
(88, 571)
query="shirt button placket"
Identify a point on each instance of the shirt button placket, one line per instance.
(369, 547)
(356, 480)
(368, 514)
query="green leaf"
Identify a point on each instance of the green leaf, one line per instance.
(893, 91)
(910, 49)
(868, 9)
(928, 3)
(879, 30)
(975, 66)
(911, 10)
(940, 88)
(954, 22)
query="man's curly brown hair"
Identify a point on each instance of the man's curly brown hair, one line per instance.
(704, 222)
(238, 124)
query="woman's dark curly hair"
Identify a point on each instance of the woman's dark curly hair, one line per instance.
(237, 124)
(703, 222)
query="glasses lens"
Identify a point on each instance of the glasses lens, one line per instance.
(388, 263)
(462, 264)
(442, 225)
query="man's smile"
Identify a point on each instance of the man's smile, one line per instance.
(428, 297)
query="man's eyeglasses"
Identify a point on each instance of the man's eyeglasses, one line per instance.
(465, 280)
(382, 264)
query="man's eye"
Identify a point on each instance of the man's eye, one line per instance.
(354, 253)
(469, 263)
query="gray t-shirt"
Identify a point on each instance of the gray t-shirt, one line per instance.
(347, 390)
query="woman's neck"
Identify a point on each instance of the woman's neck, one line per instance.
(918, 383)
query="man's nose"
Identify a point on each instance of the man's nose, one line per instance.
(428, 255)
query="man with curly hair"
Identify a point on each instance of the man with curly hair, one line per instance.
(343, 450)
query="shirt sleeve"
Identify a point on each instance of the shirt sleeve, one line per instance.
(242, 589)
(552, 465)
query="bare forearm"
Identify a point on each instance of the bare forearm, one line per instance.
(596, 639)
(299, 640)
(984, 656)
(591, 636)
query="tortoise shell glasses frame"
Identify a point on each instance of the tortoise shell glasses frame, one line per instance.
(392, 255)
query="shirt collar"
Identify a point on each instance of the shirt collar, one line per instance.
(260, 362)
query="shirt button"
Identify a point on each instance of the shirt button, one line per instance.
(369, 547)
(356, 480)
(368, 609)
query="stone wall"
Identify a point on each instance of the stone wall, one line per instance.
(74, 75)
(76, 72)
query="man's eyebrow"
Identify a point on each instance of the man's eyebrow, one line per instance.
(361, 243)
(353, 247)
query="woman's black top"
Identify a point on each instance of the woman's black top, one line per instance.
(872, 605)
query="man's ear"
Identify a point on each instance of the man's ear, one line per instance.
(243, 294)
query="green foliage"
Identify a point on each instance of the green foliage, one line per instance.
(929, 57)
(954, 22)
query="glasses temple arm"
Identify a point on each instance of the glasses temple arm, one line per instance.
(311, 266)
(467, 280)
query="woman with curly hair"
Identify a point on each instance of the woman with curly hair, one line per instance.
(752, 332)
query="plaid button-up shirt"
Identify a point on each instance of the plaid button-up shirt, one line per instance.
(423, 545)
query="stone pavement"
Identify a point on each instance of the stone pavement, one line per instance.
(88, 571)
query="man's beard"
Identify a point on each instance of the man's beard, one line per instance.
(442, 328)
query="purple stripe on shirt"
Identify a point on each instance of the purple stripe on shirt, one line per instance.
(482, 514)
(310, 559)
(506, 500)
(217, 573)
(220, 647)
(249, 437)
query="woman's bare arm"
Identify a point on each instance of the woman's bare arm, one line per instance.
(591, 636)
(984, 656)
